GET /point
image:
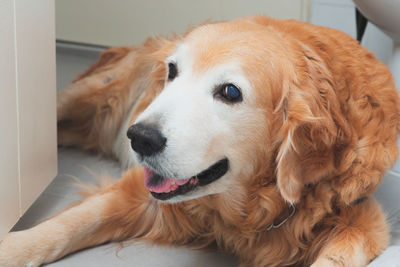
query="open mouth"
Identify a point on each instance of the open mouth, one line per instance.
(164, 188)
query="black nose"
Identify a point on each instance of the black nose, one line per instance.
(146, 140)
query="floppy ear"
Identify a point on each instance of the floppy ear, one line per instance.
(95, 101)
(107, 58)
(91, 110)
(310, 129)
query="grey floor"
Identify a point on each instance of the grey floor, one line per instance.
(86, 167)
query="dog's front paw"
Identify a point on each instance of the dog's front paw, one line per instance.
(18, 249)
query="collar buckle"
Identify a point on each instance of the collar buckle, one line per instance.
(274, 224)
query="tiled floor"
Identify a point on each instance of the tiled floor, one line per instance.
(73, 163)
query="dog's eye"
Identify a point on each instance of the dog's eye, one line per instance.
(229, 93)
(172, 71)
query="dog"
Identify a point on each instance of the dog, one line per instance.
(262, 137)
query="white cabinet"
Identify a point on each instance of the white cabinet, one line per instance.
(28, 148)
(129, 22)
(9, 182)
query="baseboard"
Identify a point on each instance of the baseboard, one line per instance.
(68, 47)
(393, 173)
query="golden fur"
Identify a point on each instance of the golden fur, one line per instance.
(332, 118)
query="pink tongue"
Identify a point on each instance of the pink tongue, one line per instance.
(166, 186)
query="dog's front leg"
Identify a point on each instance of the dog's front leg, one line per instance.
(56, 237)
(123, 210)
(354, 238)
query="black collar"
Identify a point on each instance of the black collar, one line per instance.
(286, 214)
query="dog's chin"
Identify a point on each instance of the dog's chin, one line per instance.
(176, 190)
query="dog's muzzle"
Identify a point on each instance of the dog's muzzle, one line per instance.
(164, 188)
(147, 141)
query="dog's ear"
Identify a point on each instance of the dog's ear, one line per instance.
(312, 124)
(90, 112)
(106, 60)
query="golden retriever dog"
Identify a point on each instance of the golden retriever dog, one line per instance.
(264, 138)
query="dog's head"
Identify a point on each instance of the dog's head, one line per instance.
(238, 97)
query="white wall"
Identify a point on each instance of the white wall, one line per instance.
(340, 14)
(129, 22)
